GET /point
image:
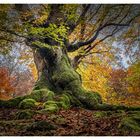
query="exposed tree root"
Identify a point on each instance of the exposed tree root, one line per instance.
(52, 103)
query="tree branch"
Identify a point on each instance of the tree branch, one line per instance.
(88, 49)
(76, 46)
(99, 52)
(79, 57)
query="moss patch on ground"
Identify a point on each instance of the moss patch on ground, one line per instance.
(50, 106)
(42, 95)
(24, 114)
(40, 126)
(131, 122)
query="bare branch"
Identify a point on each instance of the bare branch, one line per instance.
(76, 46)
(96, 52)
(79, 57)
(88, 49)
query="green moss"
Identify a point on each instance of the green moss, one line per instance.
(134, 108)
(60, 120)
(38, 94)
(62, 79)
(135, 116)
(69, 79)
(110, 113)
(65, 74)
(49, 102)
(40, 126)
(50, 95)
(129, 124)
(64, 63)
(51, 106)
(76, 102)
(42, 83)
(42, 95)
(93, 97)
(88, 99)
(74, 86)
(27, 104)
(120, 111)
(97, 96)
(100, 114)
(64, 101)
(72, 99)
(63, 105)
(43, 111)
(25, 114)
(65, 98)
(68, 76)
(137, 113)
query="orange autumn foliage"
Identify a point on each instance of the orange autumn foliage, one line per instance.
(6, 84)
(125, 86)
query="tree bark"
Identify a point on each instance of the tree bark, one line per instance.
(56, 73)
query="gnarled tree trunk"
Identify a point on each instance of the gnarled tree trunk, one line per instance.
(58, 82)
(56, 73)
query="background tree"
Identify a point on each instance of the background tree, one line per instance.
(133, 79)
(18, 63)
(124, 86)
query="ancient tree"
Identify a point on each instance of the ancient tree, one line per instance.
(47, 29)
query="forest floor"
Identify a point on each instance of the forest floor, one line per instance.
(72, 122)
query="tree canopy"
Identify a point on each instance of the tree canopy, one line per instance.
(79, 27)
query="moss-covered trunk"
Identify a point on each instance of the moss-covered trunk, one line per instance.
(56, 74)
